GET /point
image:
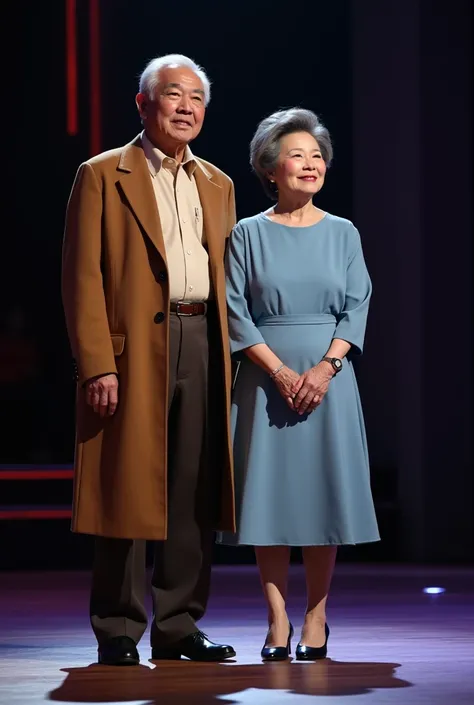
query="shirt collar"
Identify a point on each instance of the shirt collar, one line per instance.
(156, 158)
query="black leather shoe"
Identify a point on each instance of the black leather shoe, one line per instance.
(195, 647)
(313, 653)
(278, 653)
(119, 651)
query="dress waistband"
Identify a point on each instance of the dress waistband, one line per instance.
(297, 319)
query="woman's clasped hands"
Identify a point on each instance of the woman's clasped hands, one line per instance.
(303, 393)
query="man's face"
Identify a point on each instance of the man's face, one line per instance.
(175, 115)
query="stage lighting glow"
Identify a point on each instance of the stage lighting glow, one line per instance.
(433, 590)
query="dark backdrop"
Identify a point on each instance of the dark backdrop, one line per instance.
(392, 83)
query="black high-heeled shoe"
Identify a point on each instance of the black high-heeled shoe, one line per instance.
(278, 653)
(313, 653)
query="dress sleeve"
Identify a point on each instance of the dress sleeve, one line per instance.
(351, 321)
(243, 332)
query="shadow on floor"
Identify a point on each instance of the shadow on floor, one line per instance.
(190, 683)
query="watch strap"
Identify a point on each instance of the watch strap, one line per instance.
(331, 361)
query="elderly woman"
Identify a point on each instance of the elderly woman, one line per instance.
(298, 294)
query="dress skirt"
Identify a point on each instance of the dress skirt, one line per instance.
(300, 480)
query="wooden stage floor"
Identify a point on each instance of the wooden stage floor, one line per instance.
(390, 643)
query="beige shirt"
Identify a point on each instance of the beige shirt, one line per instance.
(179, 206)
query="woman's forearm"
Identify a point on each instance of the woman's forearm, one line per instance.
(338, 348)
(264, 357)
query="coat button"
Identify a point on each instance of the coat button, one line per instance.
(162, 276)
(160, 317)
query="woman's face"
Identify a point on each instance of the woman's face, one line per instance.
(301, 169)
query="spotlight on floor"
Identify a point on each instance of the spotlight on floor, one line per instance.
(434, 590)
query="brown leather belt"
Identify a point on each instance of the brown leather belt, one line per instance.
(189, 308)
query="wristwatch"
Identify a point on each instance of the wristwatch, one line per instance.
(335, 362)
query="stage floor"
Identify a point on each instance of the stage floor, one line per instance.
(390, 643)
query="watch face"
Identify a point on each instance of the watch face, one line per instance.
(337, 363)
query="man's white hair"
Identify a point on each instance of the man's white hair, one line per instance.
(150, 76)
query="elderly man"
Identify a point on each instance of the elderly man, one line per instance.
(144, 299)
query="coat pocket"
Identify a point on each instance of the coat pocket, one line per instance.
(118, 343)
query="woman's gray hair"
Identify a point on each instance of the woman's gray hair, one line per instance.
(265, 144)
(150, 77)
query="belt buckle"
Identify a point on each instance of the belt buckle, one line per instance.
(185, 303)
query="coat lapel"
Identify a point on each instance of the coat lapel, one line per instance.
(136, 185)
(210, 195)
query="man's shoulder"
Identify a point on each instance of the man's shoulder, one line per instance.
(113, 158)
(216, 173)
(104, 158)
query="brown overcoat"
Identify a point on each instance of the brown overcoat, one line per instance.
(116, 301)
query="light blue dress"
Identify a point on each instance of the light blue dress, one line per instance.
(300, 480)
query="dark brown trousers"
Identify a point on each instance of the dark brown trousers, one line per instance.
(182, 563)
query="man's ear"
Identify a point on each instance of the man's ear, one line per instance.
(141, 102)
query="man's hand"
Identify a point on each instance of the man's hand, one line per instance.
(102, 395)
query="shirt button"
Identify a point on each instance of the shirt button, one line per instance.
(189, 252)
(160, 317)
(191, 288)
(184, 220)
